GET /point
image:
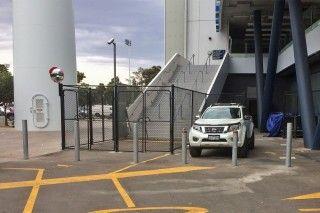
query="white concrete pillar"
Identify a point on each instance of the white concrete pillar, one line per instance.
(43, 36)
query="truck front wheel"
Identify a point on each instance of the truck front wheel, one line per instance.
(243, 151)
(252, 139)
(195, 152)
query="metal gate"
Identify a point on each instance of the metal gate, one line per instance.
(150, 108)
(92, 107)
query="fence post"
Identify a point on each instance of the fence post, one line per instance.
(90, 118)
(144, 121)
(184, 146)
(235, 149)
(62, 117)
(135, 144)
(289, 145)
(116, 122)
(102, 118)
(172, 119)
(76, 140)
(192, 108)
(25, 140)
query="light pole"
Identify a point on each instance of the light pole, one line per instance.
(114, 60)
(129, 44)
(115, 98)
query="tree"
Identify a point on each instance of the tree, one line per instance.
(109, 90)
(6, 85)
(143, 76)
(6, 89)
(111, 83)
(80, 77)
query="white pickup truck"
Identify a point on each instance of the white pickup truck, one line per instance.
(215, 129)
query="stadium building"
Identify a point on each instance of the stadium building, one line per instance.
(271, 54)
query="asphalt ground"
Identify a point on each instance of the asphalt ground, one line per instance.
(109, 182)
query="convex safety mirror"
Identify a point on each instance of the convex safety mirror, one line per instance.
(56, 74)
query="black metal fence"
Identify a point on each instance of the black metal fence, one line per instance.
(106, 115)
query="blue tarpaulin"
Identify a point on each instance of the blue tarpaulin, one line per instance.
(274, 123)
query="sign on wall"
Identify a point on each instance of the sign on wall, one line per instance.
(218, 12)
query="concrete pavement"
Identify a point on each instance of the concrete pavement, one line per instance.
(108, 182)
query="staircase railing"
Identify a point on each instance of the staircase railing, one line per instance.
(191, 59)
(208, 61)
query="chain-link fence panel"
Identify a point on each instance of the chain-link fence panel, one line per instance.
(130, 111)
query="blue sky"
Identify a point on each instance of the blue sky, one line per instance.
(96, 22)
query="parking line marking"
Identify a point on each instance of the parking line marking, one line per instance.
(271, 153)
(310, 210)
(306, 197)
(133, 165)
(125, 196)
(64, 165)
(34, 193)
(88, 178)
(187, 209)
(173, 170)
(24, 169)
(284, 157)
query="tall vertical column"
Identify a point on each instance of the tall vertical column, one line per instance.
(258, 62)
(43, 36)
(302, 73)
(272, 60)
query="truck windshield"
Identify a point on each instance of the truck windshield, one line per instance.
(222, 113)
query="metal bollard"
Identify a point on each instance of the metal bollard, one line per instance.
(184, 146)
(235, 149)
(76, 141)
(135, 144)
(25, 139)
(289, 144)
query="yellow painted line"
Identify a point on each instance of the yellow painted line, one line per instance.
(76, 179)
(310, 210)
(125, 196)
(63, 165)
(306, 197)
(271, 153)
(13, 185)
(147, 209)
(173, 170)
(24, 169)
(87, 178)
(146, 161)
(34, 193)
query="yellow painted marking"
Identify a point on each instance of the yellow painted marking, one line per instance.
(271, 153)
(125, 196)
(310, 210)
(306, 197)
(114, 176)
(23, 169)
(14, 185)
(34, 193)
(146, 209)
(63, 165)
(133, 165)
(78, 179)
(173, 170)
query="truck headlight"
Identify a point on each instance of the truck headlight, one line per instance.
(234, 127)
(197, 127)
